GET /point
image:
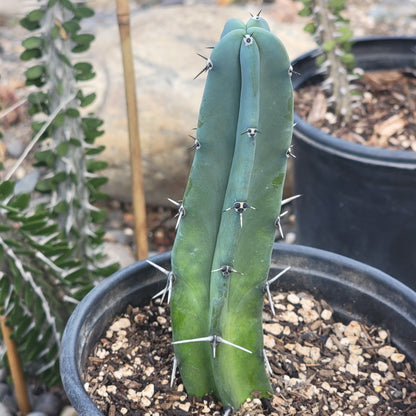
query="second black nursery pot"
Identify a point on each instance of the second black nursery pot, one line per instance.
(357, 200)
(353, 289)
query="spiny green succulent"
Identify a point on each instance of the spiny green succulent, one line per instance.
(334, 35)
(221, 255)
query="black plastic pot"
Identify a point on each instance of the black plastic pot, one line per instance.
(353, 289)
(357, 200)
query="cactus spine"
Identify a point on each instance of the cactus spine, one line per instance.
(222, 250)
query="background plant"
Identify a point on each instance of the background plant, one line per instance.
(334, 35)
(51, 248)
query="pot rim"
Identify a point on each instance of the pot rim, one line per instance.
(343, 148)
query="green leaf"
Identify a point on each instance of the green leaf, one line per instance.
(45, 158)
(94, 165)
(29, 54)
(21, 201)
(97, 182)
(45, 185)
(71, 26)
(35, 15)
(32, 226)
(68, 5)
(83, 38)
(75, 142)
(62, 149)
(35, 72)
(348, 59)
(6, 188)
(306, 11)
(75, 274)
(108, 270)
(72, 112)
(83, 67)
(64, 59)
(310, 28)
(59, 120)
(61, 207)
(32, 42)
(29, 25)
(329, 46)
(99, 216)
(83, 12)
(88, 99)
(38, 97)
(54, 32)
(4, 227)
(95, 151)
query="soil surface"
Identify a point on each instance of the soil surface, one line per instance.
(385, 115)
(319, 366)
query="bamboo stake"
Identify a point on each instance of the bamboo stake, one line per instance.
(16, 369)
(139, 205)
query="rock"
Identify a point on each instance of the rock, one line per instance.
(68, 411)
(4, 411)
(27, 183)
(3, 374)
(48, 404)
(4, 391)
(15, 148)
(10, 403)
(119, 253)
(168, 98)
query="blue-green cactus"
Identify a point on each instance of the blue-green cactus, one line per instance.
(222, 251)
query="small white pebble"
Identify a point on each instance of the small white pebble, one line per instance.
(382, 366)
(269, 342)
(148, 391)
(292, 298)
(184, 406)
(290, 316)
(121, 323)
(274, 329)
(383, 334)
(397, 357)
(145, 402)
(386, 351)
(102, 391)
(162, 320)
(353, 329)
(326, 314)
(372, 399)
(307, 304)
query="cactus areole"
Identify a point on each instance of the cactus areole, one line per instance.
(221, 255)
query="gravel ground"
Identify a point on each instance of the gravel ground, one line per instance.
(318, 366)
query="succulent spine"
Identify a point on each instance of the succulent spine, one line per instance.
(222, 251)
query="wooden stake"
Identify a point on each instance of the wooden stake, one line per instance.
(16, 369)
(139, 205)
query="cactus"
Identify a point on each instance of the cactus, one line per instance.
(334, 35)
(221, 255)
